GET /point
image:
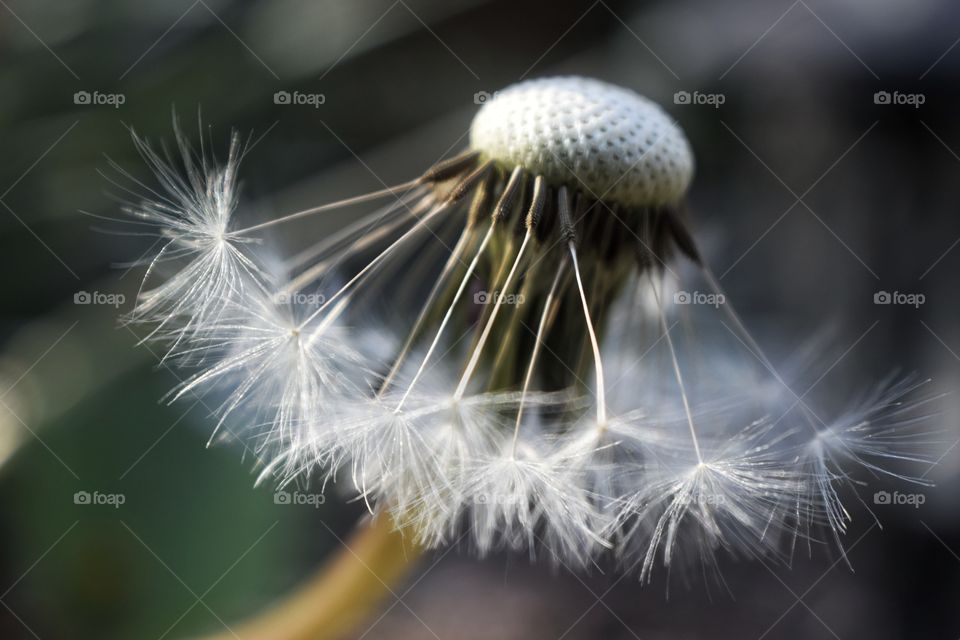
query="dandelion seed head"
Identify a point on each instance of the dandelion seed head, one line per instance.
(542, 393)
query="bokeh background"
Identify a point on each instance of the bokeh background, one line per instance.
(811, 196)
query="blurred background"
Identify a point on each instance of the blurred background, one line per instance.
(827, 146)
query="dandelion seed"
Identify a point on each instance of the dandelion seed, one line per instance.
(878, 435)
(192, 218)
(290, 378)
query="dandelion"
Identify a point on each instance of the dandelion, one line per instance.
(537, 396)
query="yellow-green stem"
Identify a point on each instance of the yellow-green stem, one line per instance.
(344, 591)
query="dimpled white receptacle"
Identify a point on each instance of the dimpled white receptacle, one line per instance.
(611, 142)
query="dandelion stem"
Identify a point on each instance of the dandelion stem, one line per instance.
(594, 344)
(366, 197)
(541, 329)
(676, 368)
(330, 604)
(475, 357)
(449, 313)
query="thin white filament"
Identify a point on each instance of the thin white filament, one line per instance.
(547, 304)
(368, 238)
(676, 370)
(594, 344)
(449, 313)
(475, 357)
(425, 310)
(376, 261)
(755, 348)
(366, 197)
